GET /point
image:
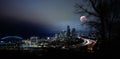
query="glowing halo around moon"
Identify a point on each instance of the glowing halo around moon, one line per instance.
(83, 18)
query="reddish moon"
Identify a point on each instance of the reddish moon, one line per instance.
(83, 18)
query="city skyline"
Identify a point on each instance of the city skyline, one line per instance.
(69, 32)
(68, 39)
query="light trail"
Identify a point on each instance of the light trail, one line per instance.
(87, 41)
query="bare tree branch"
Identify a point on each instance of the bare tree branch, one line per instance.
(94, 5)
(86, 11)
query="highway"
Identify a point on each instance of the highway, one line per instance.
(88, 41)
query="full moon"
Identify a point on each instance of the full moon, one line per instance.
(83, 18)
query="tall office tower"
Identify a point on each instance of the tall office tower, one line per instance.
(68, 31)
(62, 35)
(73, 32)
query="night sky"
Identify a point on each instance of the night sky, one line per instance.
(38, 17)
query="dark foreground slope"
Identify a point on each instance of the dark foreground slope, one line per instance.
(51, 54)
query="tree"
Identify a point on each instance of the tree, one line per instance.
(106, 13)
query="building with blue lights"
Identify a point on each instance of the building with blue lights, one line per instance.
(10, 42)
